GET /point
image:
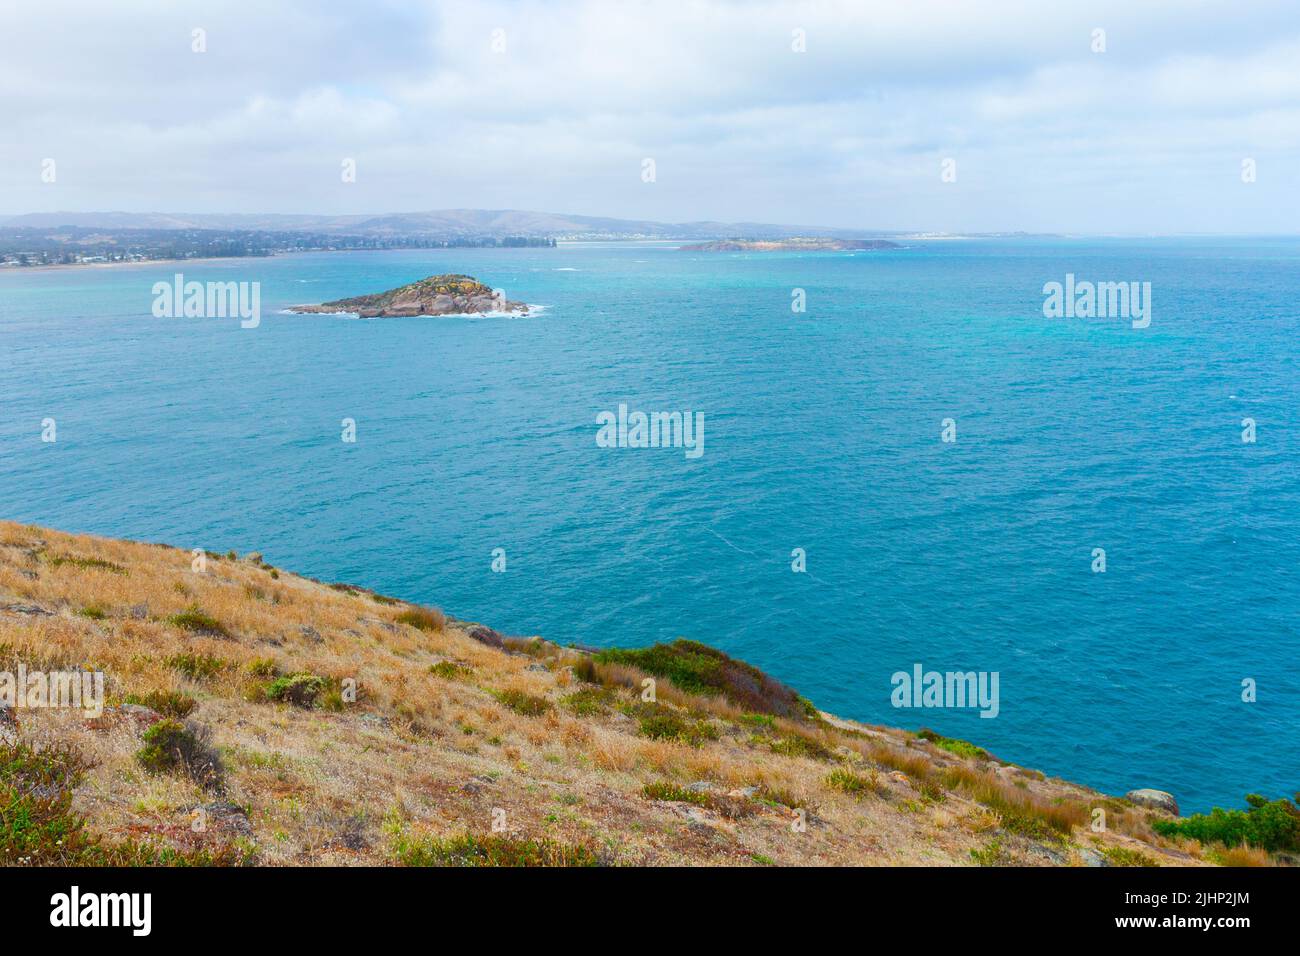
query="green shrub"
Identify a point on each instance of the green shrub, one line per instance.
(194, 620)
(198, 667)
(589, 702)
(854, 784)
(961, 748)
(992, 854)
(1123, 856)
(1271, 825)
(470, 850)
(732, 808)
(262, 667)
(94, 612)
(674, 793)
(699, 669)
(799, 745)
(173, 747)
(664, 724)
(521, 702)
(301, 690)
(37, 825)
(450, 670)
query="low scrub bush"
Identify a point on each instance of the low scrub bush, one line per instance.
(173, 747)
(659, 723)
(450, 670)
(589, 702)
(522, 702)
(800, 745)
(196, 621)
(39, 828)
(198, 667)
(301, 690)
(699, 669)
(724, 805)
(1271, 825)
(854, 784)
(962, 748)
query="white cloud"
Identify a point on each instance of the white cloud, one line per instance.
(1048, 135)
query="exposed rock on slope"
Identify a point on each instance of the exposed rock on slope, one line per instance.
(436, 295)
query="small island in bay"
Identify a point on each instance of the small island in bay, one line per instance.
(793, 244)
(434, 296)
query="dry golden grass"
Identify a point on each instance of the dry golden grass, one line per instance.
(1242, 856)
(425, 752)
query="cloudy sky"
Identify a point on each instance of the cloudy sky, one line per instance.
(554, 106)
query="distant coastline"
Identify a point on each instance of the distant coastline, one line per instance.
(793, 244)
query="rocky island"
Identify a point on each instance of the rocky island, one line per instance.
(793, 244)
(436, 295)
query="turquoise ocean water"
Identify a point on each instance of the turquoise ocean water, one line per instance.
(822, 432)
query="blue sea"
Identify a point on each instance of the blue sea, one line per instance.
(822, 432)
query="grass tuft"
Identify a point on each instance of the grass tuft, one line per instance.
(423, 618)
(85, 564)
(198, 667)
(469, 850)
(522, 702)
(169, 703)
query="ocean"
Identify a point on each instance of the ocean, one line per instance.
(823, 430)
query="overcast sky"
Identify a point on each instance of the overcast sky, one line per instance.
(1046, 134)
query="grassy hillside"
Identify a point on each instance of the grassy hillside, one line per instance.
(232, 736)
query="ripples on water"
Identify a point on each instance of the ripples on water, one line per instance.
(822, 432)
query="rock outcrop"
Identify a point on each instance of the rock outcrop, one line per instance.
(1153, 800)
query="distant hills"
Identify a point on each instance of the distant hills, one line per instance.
(795, 244)
(439, 223)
